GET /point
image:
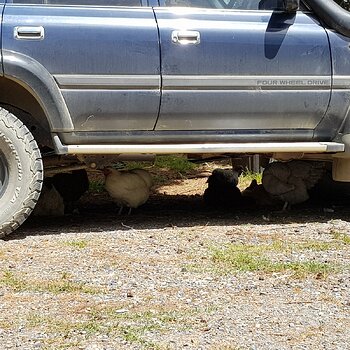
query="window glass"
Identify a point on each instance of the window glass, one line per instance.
(82, 2)
(228, 4)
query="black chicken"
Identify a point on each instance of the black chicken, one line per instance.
(71, 186)
(222, 188)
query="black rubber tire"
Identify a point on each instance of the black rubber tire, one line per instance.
(21, 186)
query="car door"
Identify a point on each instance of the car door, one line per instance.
(104, 58)
(241, 65)
(1, 9)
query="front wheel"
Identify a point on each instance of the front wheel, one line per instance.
(21, 172)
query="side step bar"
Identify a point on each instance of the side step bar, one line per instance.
(306, 147)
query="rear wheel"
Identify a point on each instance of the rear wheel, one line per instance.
(21, 172)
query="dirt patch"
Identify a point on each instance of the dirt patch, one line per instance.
(176, 275)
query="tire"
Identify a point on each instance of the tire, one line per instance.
(21, 172)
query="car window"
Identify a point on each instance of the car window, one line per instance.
(228, 4)
(82, 2)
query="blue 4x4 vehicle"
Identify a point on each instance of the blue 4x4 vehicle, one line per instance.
(97, 77)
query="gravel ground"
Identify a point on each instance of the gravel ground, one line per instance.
(174, 275)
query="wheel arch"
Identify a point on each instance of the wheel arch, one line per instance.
(29, 78)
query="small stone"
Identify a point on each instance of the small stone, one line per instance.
(129, 294)
(121, 311)
(319, 276)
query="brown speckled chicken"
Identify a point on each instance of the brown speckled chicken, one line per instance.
(290, 181)
(128, 188)
(259, 196)
(50, 202)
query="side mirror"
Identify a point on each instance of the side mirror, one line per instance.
(291, 5)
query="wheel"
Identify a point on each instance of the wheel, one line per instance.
(21, 172)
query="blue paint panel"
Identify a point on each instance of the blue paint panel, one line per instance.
(1, 11)
(338, 110)
(243, 43)
(93, 41)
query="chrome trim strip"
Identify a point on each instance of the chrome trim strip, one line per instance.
(239, 82)
(119, 82)
(306, 147)
(341, 82)
(199, 82)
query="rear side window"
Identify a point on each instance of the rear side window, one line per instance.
(82, 2)
(228, 4)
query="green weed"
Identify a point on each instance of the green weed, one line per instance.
(342, 237)
(248, 175)
(18, 283)
(79, 244)
(243, 258)
(96, 186)
(175, 163)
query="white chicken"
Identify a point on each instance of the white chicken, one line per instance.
(290, 181)
(146, 176)
(128, 188)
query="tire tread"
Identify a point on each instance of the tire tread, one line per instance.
(9, 121)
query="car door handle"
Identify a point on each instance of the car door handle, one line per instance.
(29, 33)
(185, 37)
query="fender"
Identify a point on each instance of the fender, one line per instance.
(40, 83)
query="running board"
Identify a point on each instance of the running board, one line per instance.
(305, 147)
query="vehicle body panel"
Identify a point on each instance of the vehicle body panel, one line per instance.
(185, 136)
(81, 44)
(35, 78)
(338, 114)
(254, 76)
(251, 70)
(1, 12)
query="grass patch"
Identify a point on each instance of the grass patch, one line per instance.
(62, 285)
(9, 280)
(341, 237)
(136, 335)
(96, 186)
(243, 258)
(250, 176)
(138, 165)
(135, 328)
(247, 177)
(175, 163)
(79, 244)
